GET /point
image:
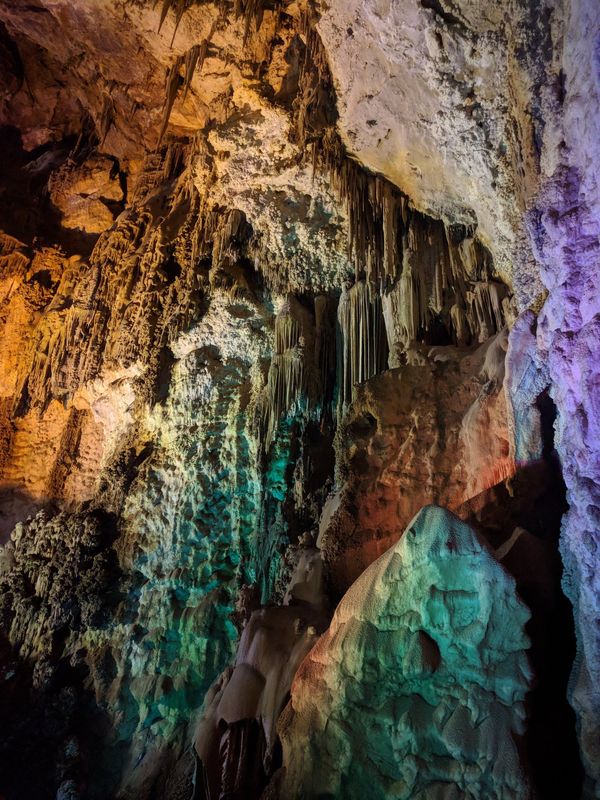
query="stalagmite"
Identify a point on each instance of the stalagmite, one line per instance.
(236, 737)
(418, 686)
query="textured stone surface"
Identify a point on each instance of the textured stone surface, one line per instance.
(442, 99)
(236, 738)
(567, 232)
(435, 431)
(420, 677)
(564, 230)
(199, 290)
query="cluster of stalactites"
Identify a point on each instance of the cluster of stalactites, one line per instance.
(189, 63)
(427, 274)
(437, 290)
(249, 10)
(433, 282)
(302, 365)
(441, 290)
(183, 69)
(286, 379)
(378, 216)
(451, 285)
(376, 210)
(363, 347)
(219, 236)
(213, 234)
(314, 111)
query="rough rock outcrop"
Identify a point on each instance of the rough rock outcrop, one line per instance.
(418, 686)
(566, 232)
(433, 431)
(236, 739)
(451, 101)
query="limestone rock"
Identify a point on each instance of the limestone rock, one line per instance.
(258, 253)
(236, 739)
(417, 688)
(84, 194)
(435, 431)
(472, 143)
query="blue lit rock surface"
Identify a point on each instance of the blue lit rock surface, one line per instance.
(417, 688)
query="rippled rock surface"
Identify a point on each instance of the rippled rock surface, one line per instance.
(417, 689)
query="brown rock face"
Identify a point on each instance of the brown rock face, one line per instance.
(432, 432)
(274, 276)
(85, 193)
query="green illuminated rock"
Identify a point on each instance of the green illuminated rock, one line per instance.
(417, 688)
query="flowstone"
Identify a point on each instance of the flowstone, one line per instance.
(417, 687)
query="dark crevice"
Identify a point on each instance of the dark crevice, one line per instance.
(537, 502)
(439, 10)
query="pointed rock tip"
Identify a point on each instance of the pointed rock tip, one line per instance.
(436, 531)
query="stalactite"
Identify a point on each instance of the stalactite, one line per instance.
(324, 352)
(430, 268)
(175, 159)
(314, 110)
(249, 10)
(192, 61)
(173, 83)
(485, 305)
(460, 325)
(107, 116)
(363, 345)
(426, 274)
(301, 379)
(285, 382)
(179, 8)
(231, 230)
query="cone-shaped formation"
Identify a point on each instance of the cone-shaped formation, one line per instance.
(236, 740)
(418, 685)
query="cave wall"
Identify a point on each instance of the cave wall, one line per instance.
(564, 227)
(273, 277)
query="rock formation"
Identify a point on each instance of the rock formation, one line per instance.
(274, 276)
(419, 683)
(236, 739)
